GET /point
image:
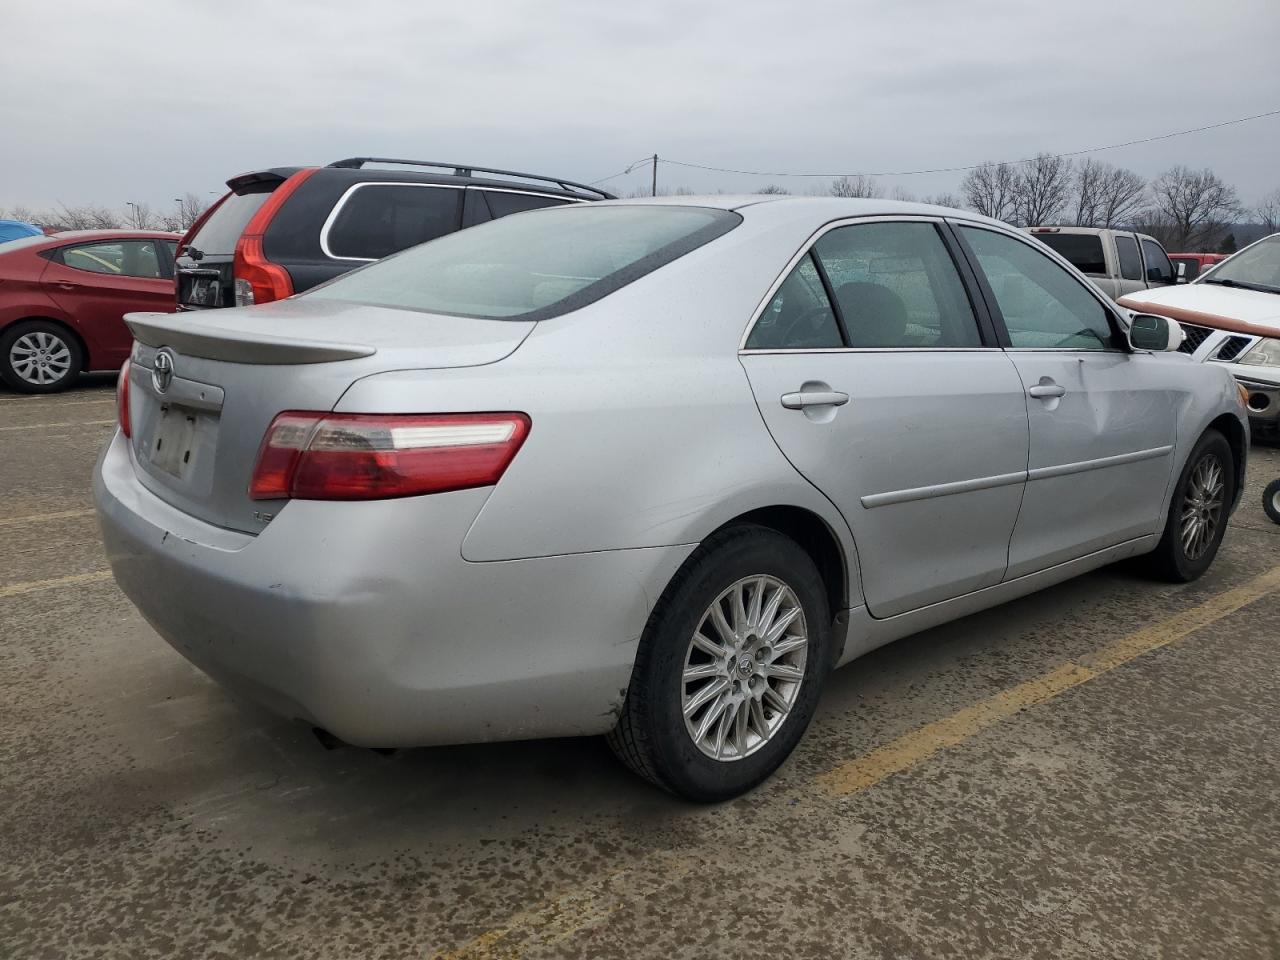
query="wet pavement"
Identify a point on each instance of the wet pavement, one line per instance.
(1005, 786)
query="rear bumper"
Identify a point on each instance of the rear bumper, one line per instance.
(364, 619)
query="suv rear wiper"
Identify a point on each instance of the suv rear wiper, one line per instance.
(193, 253)
(1260, 287)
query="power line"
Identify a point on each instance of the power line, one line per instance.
(630, 167)
(959, 169)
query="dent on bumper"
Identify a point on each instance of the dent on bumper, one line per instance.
(363, 618)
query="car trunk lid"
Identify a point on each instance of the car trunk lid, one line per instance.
(204, 389)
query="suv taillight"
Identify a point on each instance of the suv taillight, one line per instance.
(122, 400)
(358, 456)
(257, 279)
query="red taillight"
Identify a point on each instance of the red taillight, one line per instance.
(257, 279)
(122, 400)
(357, 456)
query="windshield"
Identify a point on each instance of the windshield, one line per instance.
(533, 265)
(1256, 267)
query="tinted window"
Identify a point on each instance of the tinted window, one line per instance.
(378, 219)
(1042, 304)
(501, 204)
(1082, 249)
(1159, 269)
(533, 267)
(218, 234)
(896, 286)
(799, 316)
(1130, 262)
(130, 258)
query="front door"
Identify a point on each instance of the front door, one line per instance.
(872, 375)
(1102, 419)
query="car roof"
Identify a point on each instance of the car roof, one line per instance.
(114, 235)
(405, 172)
(782, 209)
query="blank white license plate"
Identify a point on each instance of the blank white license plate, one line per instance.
(173, 442)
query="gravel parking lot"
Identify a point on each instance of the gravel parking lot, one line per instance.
(1089, 772)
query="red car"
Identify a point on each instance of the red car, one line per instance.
(62, 298)
(1191, 265)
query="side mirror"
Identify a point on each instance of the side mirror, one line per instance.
(1150, 332)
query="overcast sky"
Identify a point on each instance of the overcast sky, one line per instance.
(130, 100)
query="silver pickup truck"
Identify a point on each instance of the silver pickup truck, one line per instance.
(1118, 261)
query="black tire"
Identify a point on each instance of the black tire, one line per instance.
(1271, 500)
(651, 736)
(1170, 560)
(69, 356)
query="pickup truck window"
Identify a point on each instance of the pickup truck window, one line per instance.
(1082, 249)
(1130, 262)
(1159, 269)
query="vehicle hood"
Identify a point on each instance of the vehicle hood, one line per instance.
(1226, 308)
(317, 331)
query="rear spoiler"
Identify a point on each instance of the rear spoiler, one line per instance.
(273, 176)
(186, 334)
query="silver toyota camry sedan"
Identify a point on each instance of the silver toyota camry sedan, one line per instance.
(647, 469)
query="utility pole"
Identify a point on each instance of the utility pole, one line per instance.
(654, 192)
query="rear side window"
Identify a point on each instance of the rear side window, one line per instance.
(896, 286)
(1159, 269)
(502, 203)
(218, 235)
(1130, 261)
(799, 317)
(1082, 249)
(374, 220)
(531, 268)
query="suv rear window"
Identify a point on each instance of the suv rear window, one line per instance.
(533, 265)
(1082, 249)
(218, 234)
(377, 219)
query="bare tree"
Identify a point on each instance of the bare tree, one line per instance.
(1267, 211)
(858, 186)
(1196, 206)
(772, 189)
(138, 216)
(902, 193)
(1106, 195)
(1040, 189)
(945, 200)
(989, 189)
(82, 218)
(184, 215)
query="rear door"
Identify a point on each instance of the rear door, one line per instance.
(871, 370)
(204, 270)
(1102, 419)
(99, 281)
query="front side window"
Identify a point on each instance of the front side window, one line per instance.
(128, 258)
(895, 285)
(532, 268)
(1130, 262)
(1043, 306)
(378, 219)
(1159, 269)
(799, 317)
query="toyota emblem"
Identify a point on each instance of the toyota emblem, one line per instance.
(162, 371)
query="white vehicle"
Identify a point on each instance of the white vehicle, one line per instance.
(1117, 261)
(1231, 315)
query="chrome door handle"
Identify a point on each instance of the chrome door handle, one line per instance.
(1047, 391)
(814, 398)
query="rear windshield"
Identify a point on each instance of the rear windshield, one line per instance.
(534, 265)
(1082, 249)
(218, 234)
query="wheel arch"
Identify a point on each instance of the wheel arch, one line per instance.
(1231, 428)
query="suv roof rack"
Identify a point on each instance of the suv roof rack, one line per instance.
(467, 170)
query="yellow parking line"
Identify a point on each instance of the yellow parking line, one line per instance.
(921, 744)
(556, 919)
(109, 398)
(42, 517)
(34, 586)
(71, 423)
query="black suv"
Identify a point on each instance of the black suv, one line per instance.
(284, 230)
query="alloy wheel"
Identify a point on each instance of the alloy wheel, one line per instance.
(744, 667)
(1201, 507)
(40, 358)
